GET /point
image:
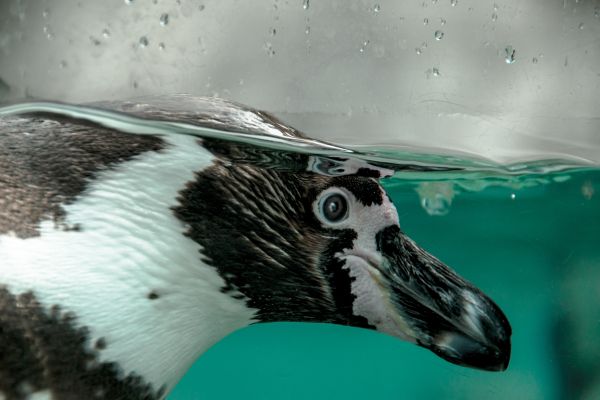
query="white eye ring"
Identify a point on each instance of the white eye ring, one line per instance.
(334, 207)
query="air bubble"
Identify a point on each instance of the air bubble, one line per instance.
(144, 42)
(581, 26)
(513, 196)
(376, 8)
(438, 35)
(307, 30)
(45, 13)
(161, 46)
(587, 190)
(128, 2)
(164, 19)
(201, 7)
(105, 33)
(436, 197)
(534, 60)
(425, 21)
(442, 21)
(436, 71)
(306, 4)
(494, 17)
(453, 3)
(509, 57)
(273, 32)
(63, 64)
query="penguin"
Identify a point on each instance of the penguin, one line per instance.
(124, 256)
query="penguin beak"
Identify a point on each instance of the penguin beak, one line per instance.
(435, 308)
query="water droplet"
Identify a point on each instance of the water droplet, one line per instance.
(453, 3)
(376, 8)
(534, 60)
(436, 71)
(581, 26)
(45, 13)
(509, 57)
(128, 2)
(63, 64)
(164, 19)
(48, 32)
(306, 4)
(106, 33)
(442, 21)
(269, 49)
(273, 31)
(144, 41)
(425, 21)
(364, 46)
(438, 35)
(494, 17)
(161, 46)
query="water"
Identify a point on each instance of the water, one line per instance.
(526, 234)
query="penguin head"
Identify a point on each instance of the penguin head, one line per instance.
(297, 245)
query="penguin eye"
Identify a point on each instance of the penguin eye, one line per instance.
(334, 207)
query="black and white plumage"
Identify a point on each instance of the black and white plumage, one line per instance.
(123, 257)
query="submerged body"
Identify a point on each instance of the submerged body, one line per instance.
(123, 257)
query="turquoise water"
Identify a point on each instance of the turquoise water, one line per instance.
(531, 243)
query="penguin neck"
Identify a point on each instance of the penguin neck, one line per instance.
(129, 275)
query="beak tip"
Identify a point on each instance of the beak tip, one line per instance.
(465, 351)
